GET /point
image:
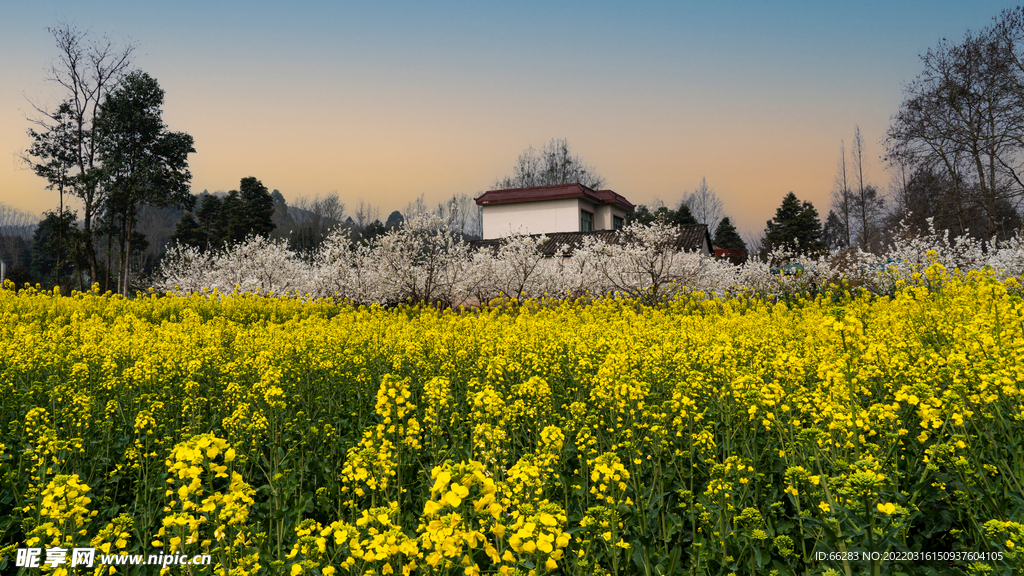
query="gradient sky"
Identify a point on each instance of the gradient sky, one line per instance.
(386, 101)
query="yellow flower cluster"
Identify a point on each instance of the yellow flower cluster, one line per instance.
(115, 535)
(372, 463)
(461, 512)
(527, 480)
(707, 434)
(208, 504)
(538, 534)
(608, 478)
(64, 511)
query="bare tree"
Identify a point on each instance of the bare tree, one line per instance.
(900, 199)
(314, 220)
(964, 114)
(417, 207)
(754, 238)
(451, 213)
(553, 164)
(461, 214)
(365, 214)
(14, 222)
(868, 203)
(156, 224)
(899, 176)
(16, 229)
(478, 219)
(705, 205)
(86, 69)
(841, 201)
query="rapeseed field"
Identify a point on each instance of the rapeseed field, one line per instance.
(839, 433)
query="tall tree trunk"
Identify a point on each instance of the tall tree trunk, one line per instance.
(127, 260)
(60, 230)
(110, 260)
(90, 249)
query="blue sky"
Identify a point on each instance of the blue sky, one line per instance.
(388, 101)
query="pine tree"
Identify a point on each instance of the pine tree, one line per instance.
(795, 227)
(188, 232)
(835, 233)
(727, 237)
(395, 220)
(683, 217)
(257, 208)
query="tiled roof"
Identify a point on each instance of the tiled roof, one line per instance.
(553, 192)
(611, 197)
(690, 239)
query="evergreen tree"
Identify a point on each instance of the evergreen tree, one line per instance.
(834, 234)
(47, 251)
(211, 221)
(681, 217)
(143, 162)
(372, 230)
(283, 222)
(188, 232)
(795, 227)
(395, 220)
(257, 208)
(727, 237)
(235, 223)
(251, 210)
(641, 215)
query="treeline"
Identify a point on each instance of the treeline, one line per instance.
(106, 145)
(700, 206)
(955, 144)
(953, 151)
(954, 148)
(17, 229)
(49, 250)
(425, 261)
(221, 221)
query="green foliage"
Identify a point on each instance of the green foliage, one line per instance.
(55, 245)
(53, 149)
(834, 232)
(727, 237)
(143, 162)
(249, 211)
(795, 227)
(643, 215)
(395, 220)
(256, 214)
(373, 230)
(682, 216)
(189, 233)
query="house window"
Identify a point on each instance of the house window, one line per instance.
(617, 222)
(586, 221)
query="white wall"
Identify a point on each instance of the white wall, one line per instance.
(603, 217)
(541, 217)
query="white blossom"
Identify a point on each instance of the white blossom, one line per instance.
(425, 261)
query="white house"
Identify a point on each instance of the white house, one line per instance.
(550, 209)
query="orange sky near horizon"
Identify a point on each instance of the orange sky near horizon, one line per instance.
(385, 107)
